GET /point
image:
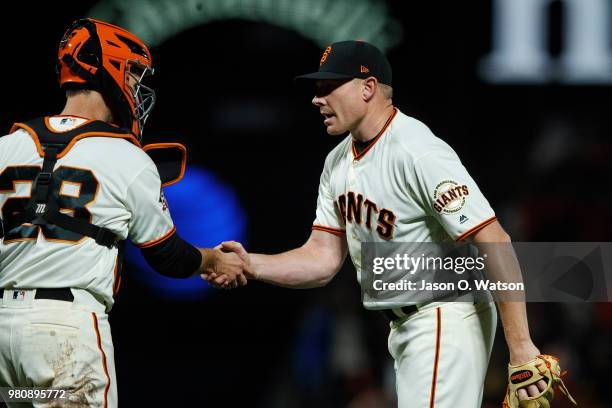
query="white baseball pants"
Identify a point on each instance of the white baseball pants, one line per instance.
(57, 344)
(441, 354)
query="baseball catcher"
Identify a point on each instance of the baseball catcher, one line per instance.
(74, 187)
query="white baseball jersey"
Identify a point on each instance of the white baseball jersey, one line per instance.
(410, 186)
(108, 181)
(406, 186)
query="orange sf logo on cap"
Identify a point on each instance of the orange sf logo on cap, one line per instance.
(325, 54)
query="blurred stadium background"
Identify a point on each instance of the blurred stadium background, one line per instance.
(519, 88)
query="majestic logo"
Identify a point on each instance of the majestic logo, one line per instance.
(462, 219)
(325, 54)
(19, 295)
(521, 376)
(41, 208)
(449, 197)
(364, 70)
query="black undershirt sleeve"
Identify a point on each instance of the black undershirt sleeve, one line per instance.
(173, 257)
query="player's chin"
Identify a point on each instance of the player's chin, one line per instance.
(335, 130)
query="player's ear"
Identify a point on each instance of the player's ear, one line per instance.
(369, 88)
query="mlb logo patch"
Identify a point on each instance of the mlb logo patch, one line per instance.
(19, 295)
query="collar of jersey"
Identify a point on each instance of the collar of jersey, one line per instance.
(53, 130)
(32, 133)
(359, 155)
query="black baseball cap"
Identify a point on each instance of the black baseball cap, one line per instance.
(352, 59)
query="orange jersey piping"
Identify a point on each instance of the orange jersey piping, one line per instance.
(358, 156)
(476, 228)
(434, 379)
(331, 230)
(104, 365)
(158, 240)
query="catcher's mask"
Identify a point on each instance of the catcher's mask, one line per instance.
(96, 55)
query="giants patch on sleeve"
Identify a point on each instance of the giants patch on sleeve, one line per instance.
(449, 197)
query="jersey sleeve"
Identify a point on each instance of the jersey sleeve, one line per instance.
(150, 221)
(448, 193)
(328, 216)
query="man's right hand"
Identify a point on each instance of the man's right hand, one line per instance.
(227, 269)
(236, 248)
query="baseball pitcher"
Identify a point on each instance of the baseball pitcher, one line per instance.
(392, 180)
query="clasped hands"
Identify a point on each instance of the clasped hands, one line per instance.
(227, 266)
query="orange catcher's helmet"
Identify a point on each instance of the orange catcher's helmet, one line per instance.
(100, 56)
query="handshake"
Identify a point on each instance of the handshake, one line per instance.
(226, 266)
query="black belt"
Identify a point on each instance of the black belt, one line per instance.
(390, 314)
(64, 294)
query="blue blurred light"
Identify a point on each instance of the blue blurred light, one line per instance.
(205, 212)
